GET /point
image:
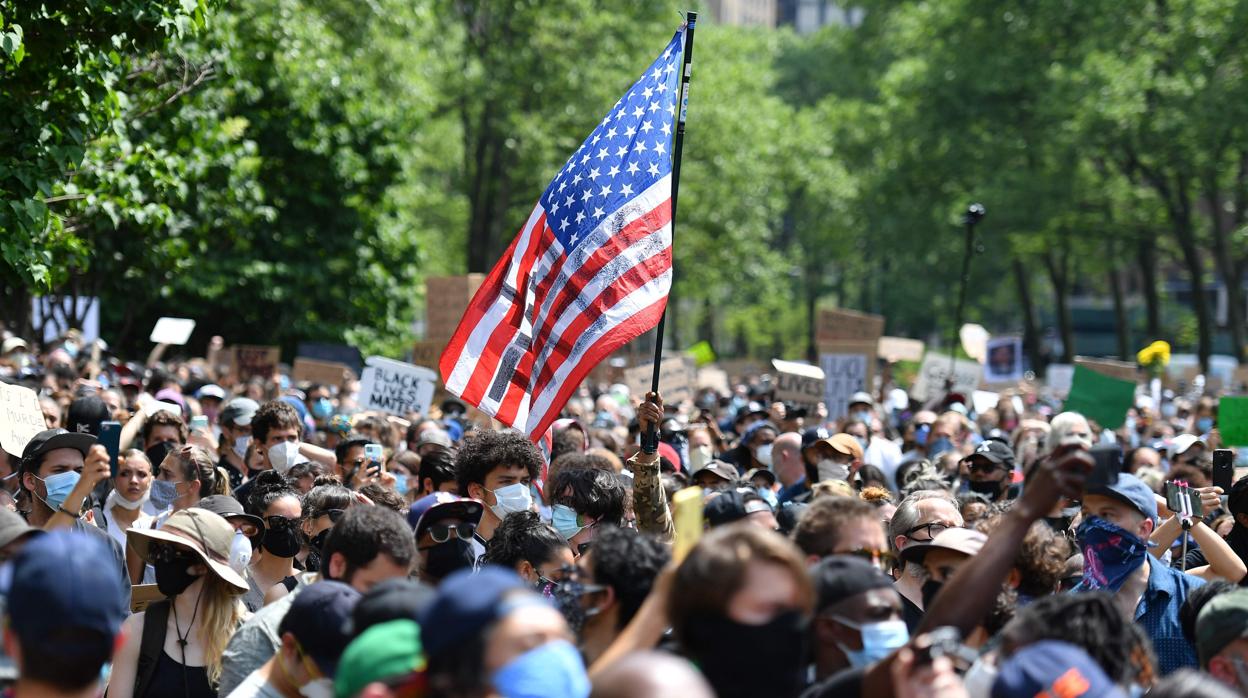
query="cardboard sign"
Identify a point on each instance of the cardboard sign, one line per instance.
(1003, 360)
(894, 349)
(446, 299)
(344, 354)
(1101, 398)
(800, 384)
(324, 372)
(395, 387)
(713, 378)
(1233, 420)
(1122, 370)
(974, 340)
(428, 353)
(20, 417)
(255, 361)
(1059, 377)
(934, 372)
(172, 330)
(843, 375)
(847, 326)
(677, 377)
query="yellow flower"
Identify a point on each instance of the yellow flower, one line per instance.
(1155, 354)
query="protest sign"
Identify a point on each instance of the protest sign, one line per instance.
(1099, 397)
(427, 353)
(715, 379)
(847, 326)
(702, 353)
(254, 361)
(983, 400)
(1004, 360)
(801, 385)
(395, 387)
(843, 375)
(172, 330)
(974, 339)
(934, 372)
(677, 377)
(1058, 377)
(1122, 370)
(20, 417)
(344, 354)
(1233, 420)
(446, 299)
(324, 372)
(58, 314)
(894, 349)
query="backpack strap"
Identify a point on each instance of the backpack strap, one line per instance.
(155, 625)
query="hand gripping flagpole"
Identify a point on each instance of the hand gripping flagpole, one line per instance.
(650, 439)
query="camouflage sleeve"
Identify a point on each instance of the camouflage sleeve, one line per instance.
(649, 500)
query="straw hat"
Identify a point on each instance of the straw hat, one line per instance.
(200, 531)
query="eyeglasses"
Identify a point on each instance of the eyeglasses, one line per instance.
(333, 514)
(441, 533)
(932, 529)
(882, 559)
(583, 548)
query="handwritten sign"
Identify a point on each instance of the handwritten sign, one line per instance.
(254, 361)
(677, 377)
(324, 372)
(934, 372)
(446, 299)
(894, 349)
(20, 417)
(798, 384)
(172, 330)
(848, 326)
(843, 375)
(395, 387)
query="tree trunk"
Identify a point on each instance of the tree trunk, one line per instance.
(812, 297)
(1058, 268)
(1146, 260)
(1227, 268)
(1121, 328)
(1031, 344)
(1181, 217)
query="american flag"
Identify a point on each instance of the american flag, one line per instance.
(589, 271)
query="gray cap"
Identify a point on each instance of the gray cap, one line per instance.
(13, 526)
(239, 411)
(435, 437)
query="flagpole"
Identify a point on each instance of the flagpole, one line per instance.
(650, 439)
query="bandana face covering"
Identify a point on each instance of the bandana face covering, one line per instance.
(1110, 554)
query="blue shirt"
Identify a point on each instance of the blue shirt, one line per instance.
(1158, 614)
(788, 492)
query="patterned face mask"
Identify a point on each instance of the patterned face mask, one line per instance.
(1110, 554)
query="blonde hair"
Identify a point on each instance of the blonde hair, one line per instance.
(221, 613)
(831, 488)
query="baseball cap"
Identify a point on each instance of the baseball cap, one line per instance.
(719, 469)
(840, 577)
(788, 514)
(1052, 668)
(210, 390)
(85, 415)
(13, 526)
(320, 619)
(1131, 490)
(442, 505)
(1182, 443)
(767, 474)
(846, 444)
(13, 344)
(861, 397)
(466, 603)
(239, 411)
(813, 435)
(757, 427)
(733, 505)
(391, 599)
(1223, 620)
(228, 508)
(383, 652)
(995, 451)
(434, 437)
(52, 439)
(959, 540)
(200, 531)
(64, 581)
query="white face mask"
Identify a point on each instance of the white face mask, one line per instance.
(240, 552)
(283, 456)
(115, 499)
(698, 457)
(320, 688)
(240, 446)
(763, 455)
(831, 470)
(511, 499)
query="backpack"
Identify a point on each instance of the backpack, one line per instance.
(155, 625)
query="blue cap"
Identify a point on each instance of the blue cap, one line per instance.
(320, 619)
(66, 581)
(1131, 490)
(466, 603)
(1053, 668)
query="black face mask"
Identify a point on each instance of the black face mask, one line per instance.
(445, 558)
(156, 454)
(930, 589)
(173, 577)
(282, 542)
(777, 655)
(990, 488)
(315, 548)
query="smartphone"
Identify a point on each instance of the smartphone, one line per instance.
(373, 454)
(1175, 497)
(110, 438)
(1223, 469)
(1107, 459)
(199, 422)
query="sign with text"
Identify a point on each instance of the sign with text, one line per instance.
(395, 387)
(893, 349)
(20, 417)
(843, 375)
(678, 376)
(1003, 360)
(799, 384)
(934, 373)
(172, 330)
(323, 372)
(255, 361)
(847, 326)
(446, 299)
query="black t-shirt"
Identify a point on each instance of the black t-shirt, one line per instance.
(912, 614)
(843, 684)
(236, 475)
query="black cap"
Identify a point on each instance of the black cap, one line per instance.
(228, 508)
(52, 439)
(85, 415)
(390, 600)
(733, 505)
(788, 514)
(1237, 500)
(839, 577)
(995, 451)
(814, 435)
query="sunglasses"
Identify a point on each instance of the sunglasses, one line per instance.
(882, 559)
(246, 528)
(932, 529)
(280, 522)
(333, 514)
(441, 533)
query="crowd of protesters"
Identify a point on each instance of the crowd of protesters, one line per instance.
(266, 538)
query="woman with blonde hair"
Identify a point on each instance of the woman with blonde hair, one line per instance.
(174, 647)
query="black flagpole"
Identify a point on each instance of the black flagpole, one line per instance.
(650, 439)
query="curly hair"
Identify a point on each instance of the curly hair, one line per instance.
(876, 496)
(523, 536)
(492, 449)
(269, 487)
(591, 492)
(628, 562)
(275, 414)
(1041, 558)
(384, 496)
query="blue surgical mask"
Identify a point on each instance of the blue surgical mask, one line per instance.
(59, 486)
(554, 669)
(1110, 554)
(863, 416)
(938, 446)
(163, 493)
(1204, 425)
(565, 520)
(322, 408)
(878, 640)
(400, 483)
(511, 499)
(240, 446)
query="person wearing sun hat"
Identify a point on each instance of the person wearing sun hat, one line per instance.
(191, 556)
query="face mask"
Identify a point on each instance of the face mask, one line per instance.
(763, 455)
(58, 487)
(283, 541)
(699, 456)
(768, 496)
(115, 499)
(565, 520)
(322, 408)
(878, 641)
(240, 552)
(567, 596)
(173, 577)
(862, 416)
(929, 591)
(715, 642)
(920, 434)
(71, 348)
(445, 558)
(979, 678)
(283, 455)
(400, 483)
(990, 488)
(554, 669)
(320, 688)
(828, 469)
(163, 494)
(157, 452)
(1110, 554)
(1204, 424)
(240, 446)
(510, 499)
(939, 446)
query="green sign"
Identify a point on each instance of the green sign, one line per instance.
(1100, 398)
(1233, 420)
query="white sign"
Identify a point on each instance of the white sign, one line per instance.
(1059, 378)
(395, 387)
(172, 330)
(60, 316)
(934, 373)
(798, 384)
(1004, 360)
(984, 401)
(843, 375)
(20, 417)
